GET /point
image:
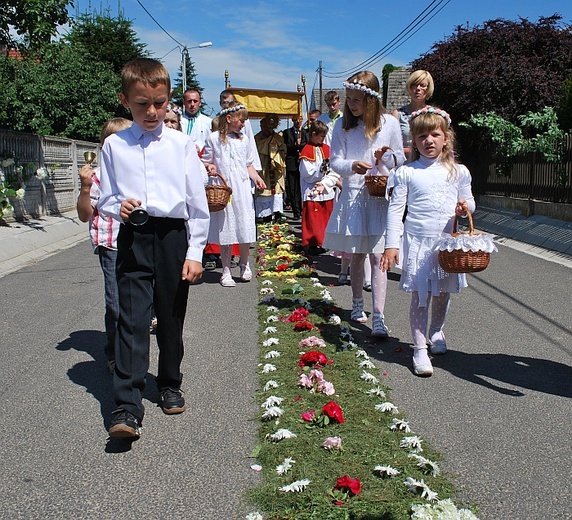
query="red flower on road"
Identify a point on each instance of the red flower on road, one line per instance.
(334, 412)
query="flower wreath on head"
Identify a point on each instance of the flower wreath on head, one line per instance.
(230, 110)
(175, 108)
(431, 110)
(358, 85)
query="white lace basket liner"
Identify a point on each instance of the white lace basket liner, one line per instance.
(465, 252)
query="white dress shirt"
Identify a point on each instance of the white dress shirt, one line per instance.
(160, 168)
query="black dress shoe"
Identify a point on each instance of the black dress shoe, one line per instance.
(125, 424)
(172, 401)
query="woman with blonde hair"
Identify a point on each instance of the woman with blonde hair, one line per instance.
(420, 88)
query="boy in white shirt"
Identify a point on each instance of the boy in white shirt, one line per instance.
(155, 171)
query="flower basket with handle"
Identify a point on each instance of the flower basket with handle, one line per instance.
(377, 184)
(218, 195)
(465, 252)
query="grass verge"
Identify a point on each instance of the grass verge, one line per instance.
(300, 475)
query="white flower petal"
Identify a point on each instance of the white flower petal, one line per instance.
(254, 516)
(386, 407)
(296, 487)
(272, 354)
(269, 367)
(270, 384)
(267, 282)
(286, 465)
(370, 378)
(272, 413)
(377, 391)
(272, 401)
(386, 470)
(269, 330)
(270, 341)
(281, 434)
(362, 353)
(256, 467)
(400, 424)
(334, 319)
(366, 363)
(412, 443)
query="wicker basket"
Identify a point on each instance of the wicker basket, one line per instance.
(459, 261)
(218, 195)
(376, 185)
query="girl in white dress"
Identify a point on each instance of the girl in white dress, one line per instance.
(228, 153)
(435, 189)
(360, 143)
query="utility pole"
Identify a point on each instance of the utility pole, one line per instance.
(320, 78)
(184, 54)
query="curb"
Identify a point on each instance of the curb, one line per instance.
(22, 243)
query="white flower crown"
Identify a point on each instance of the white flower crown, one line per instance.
(431, 110)
(358, 85)
(230, 110)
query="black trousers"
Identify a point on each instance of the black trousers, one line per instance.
(293, 191)
(149, 265)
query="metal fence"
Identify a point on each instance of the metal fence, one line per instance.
(531, 177)
(62, 158)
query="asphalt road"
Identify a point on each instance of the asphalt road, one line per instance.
(55, 460)
(497, 406)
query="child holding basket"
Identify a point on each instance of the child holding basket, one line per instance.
(435, 188)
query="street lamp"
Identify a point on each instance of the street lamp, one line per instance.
(184, 54)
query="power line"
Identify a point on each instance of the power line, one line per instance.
(417, 23)
(158, 24)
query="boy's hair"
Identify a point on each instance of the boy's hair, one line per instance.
(223, 123)
(146, 70)
(426, 123)
(331, 96)
(418, 77)
(315, 111)
(318, 128)
(113, 126)
(225, 97)
(373, 106)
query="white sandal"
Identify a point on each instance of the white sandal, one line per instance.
(358, 313)
(245, 273)
(227, 281)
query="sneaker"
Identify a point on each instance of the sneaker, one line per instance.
(358, 313)
(367, 286)
(343, 278)
(379, 329)
(245, 273)
(111, 366)
(172, 401)
(437, 343)
(125, 424)
(421, 363)
(227, 281)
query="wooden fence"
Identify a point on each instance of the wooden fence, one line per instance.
(531, 177)
(61, 157)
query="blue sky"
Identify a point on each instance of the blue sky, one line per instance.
(271, 44)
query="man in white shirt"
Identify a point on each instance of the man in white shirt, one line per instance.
(334, 113)
(193, 123)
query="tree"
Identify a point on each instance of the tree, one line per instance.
(388, 68)
(564, 107)
(192, 80)
(35, 20)
(107, 40)
(506, 67)
(57, 92)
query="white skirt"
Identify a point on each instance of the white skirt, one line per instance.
(421, 271)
